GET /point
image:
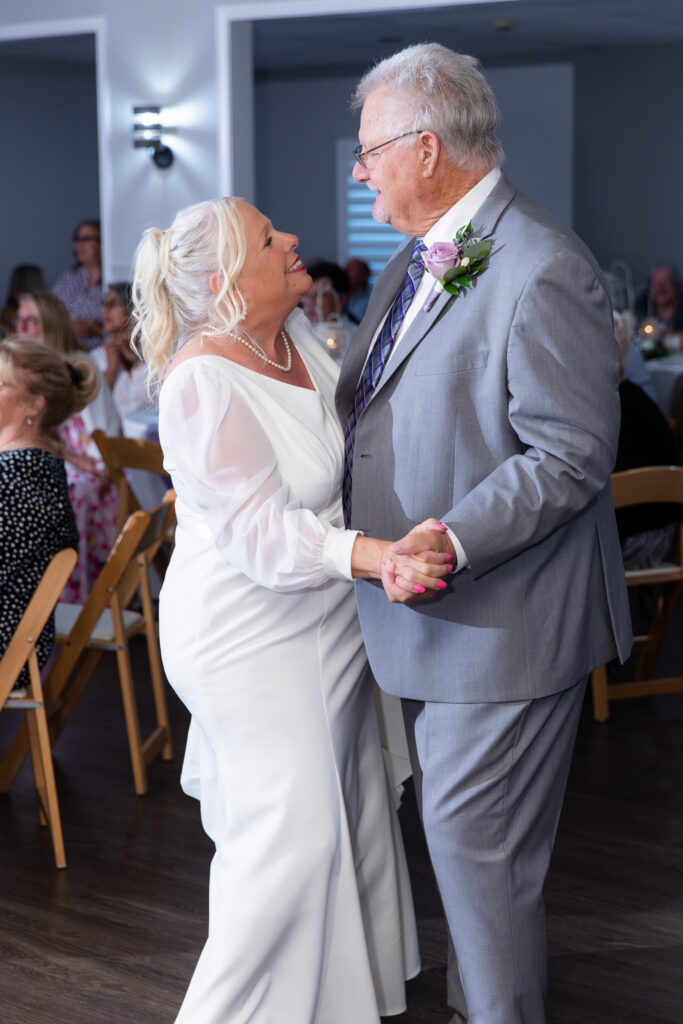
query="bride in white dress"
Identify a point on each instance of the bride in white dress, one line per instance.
(310, 913)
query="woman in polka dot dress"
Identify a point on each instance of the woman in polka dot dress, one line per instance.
(38, 391)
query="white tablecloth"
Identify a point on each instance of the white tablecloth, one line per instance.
(665, 372)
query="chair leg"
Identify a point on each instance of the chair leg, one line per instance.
(50, 791)
(43, 768)
(155, 667)
(130, 707)
(130, 710)
(158, 690)
(37, 764)
(666, 604)
(599, 691)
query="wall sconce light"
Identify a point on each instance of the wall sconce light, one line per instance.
(147, 132)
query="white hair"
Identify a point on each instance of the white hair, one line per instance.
(435, 88)
(172, 298)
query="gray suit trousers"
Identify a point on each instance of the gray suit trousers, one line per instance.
(490, 780)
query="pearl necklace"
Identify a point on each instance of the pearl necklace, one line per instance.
(23, 440)
(251, 343)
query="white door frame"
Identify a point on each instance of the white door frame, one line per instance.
(259, 10)
(97, 27)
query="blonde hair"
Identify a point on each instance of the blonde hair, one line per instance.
(434, 88)
(67, 385)
(55, 324)
(172, 299)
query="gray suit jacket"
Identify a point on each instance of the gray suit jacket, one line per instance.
(499, 415)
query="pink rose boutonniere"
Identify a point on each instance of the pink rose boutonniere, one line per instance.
(455, 264)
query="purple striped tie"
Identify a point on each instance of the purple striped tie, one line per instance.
(375, 364)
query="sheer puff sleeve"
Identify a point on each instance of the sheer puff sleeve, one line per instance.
(224, 469)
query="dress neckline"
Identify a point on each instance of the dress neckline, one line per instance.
(255, 373)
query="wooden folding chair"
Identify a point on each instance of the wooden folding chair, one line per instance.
(107, 623)
(121, 454)
(642, 487)
(20, 652)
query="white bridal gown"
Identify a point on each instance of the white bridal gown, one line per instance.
(310, 914)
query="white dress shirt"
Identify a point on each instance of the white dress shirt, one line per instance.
(459, 215)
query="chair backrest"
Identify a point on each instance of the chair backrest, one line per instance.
(121, 453)
(32, 622)
(159, 530)
(105, 585)
(646, 485)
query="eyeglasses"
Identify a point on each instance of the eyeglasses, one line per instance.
(86, 238)
(25, 321)
(361, 154)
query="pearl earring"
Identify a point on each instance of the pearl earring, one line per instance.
(29, 421)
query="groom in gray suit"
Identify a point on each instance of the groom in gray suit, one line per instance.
(495, 410)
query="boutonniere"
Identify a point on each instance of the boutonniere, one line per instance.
(455, 264)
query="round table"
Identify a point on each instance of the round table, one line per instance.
(665, 372)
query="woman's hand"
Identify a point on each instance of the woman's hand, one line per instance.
(114, 361)
(427, 541)
(84, 462)
(407, 575)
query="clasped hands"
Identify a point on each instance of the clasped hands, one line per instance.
(412, 568)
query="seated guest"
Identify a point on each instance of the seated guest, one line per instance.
(38, 391)
(359, 288)
(325, 306)
(123, 370)
(25, 277)
(42, 315)
(80, 288)
(663, 300)
(93, 494)
(647, 532)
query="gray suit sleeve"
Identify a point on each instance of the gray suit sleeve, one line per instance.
(562, 364)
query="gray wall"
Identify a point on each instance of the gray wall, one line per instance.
(629, 154)
(49, 166)
(299, 121)
(608, 154)
(297, 125)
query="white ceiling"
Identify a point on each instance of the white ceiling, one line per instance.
(338, 43)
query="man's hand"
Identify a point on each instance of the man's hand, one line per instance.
(428, 536)
(427, 543)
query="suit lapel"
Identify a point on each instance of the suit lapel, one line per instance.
(390, 280)
(483, 226)
(383, 295)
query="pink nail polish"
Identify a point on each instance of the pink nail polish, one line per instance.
(449, 558)
(441, 584)
(418, 589)
(443, 526)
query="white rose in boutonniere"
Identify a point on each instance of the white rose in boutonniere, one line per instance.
(455, 264)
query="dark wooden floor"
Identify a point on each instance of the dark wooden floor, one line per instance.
(115, 937)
